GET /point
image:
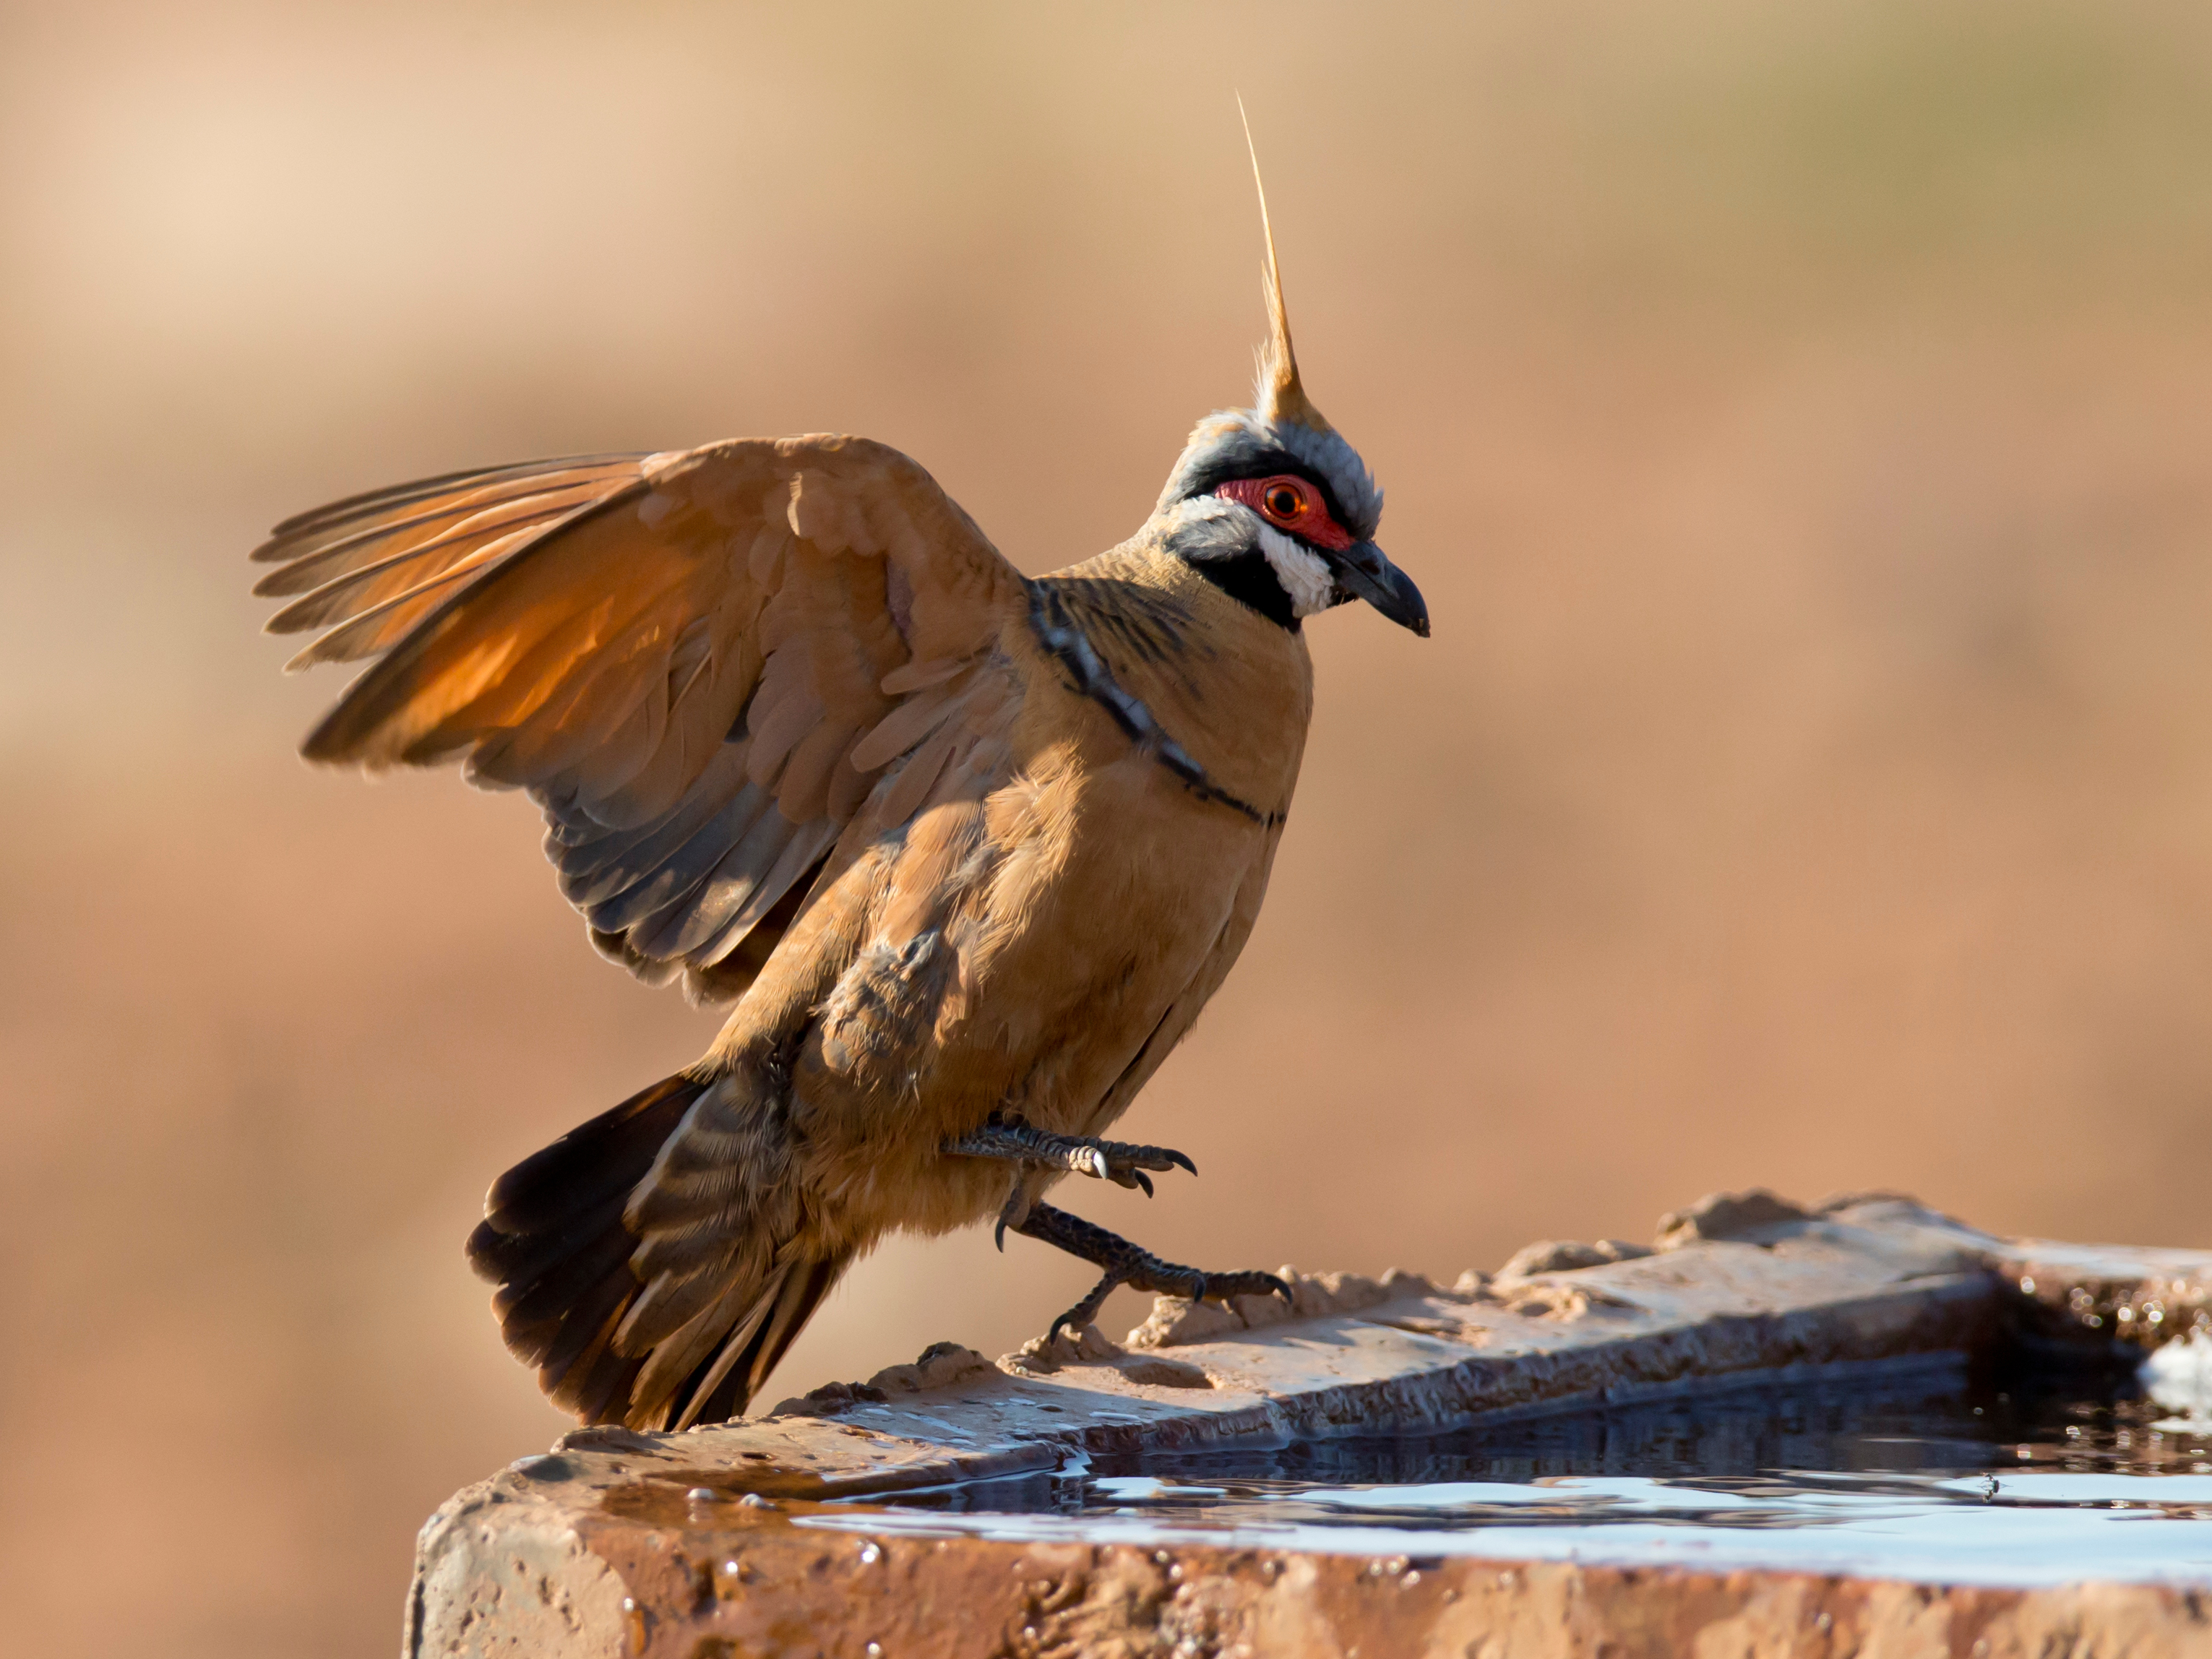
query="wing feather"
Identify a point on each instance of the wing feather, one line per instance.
(593, 871)
(733, 894)
(370, 564)
(657, 891)
(918, 778)
(373, 627)
(704, 665)
(907, 725)
(304, 532)
(803, 793)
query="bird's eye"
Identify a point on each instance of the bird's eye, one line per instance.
(1283, 501)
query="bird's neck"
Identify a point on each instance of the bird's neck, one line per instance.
(1250, 579)
(1230, 689)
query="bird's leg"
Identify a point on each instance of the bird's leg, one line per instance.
(1125, 1264)
(1118, 1161)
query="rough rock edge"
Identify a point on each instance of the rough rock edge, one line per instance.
(517, 1566)
(1173, 1321)
(1743, 1216)
(1558, 1255)
(940, 1365)
(1537, 1281)
(893, 1593)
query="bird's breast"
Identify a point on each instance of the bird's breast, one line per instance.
(1137, 654)
(1025, 944)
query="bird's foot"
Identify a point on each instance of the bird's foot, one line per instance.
(1127, 1264)
(1121, 1162)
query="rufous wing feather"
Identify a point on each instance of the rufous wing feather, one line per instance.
(701, 664)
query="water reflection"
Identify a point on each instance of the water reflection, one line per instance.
(1921, 1471)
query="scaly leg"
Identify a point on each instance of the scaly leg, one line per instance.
(1127, 1264)
(1118, 1161)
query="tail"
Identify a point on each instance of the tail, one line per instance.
(561, 1234)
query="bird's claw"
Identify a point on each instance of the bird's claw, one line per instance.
(1123, 1162)
(1143, 1271)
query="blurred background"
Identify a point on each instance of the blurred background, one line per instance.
(1799, 418)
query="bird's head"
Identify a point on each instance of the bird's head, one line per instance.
(1273, 506)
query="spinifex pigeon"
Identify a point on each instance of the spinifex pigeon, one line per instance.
(968, 851)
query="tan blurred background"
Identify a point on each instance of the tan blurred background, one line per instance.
(1800, 419)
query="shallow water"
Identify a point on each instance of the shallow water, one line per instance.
(1920, 1471)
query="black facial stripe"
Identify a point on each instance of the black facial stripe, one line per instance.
(1248, 579)
(1266, 464)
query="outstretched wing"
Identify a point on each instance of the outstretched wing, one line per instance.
(698, 664)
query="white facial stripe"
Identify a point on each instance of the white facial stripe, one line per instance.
(1302, 572)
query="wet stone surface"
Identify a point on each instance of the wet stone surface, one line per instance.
(1931, 1470)
(1427, 1469)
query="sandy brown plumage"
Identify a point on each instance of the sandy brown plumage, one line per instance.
(969, 851)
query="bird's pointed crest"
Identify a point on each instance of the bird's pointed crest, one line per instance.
(1283, 432)
(1280, 397)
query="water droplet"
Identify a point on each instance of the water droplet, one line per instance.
(875, 1650)
(702, 1494)
(870, 1555)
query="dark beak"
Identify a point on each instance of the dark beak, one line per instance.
(1363, 573)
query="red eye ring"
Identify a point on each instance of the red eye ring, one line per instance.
(1289, 503)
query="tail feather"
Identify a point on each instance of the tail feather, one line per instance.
(581, 1364)
(526, 1302)
(563, 1237)
(599, 1159)
(596, 1387)
(723, 1387)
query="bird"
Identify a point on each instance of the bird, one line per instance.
(965, 851)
